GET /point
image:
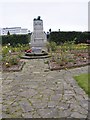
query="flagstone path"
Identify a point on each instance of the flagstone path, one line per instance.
(36, 92)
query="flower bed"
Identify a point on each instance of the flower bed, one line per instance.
(64, 59)
(10, 60)
(11, 63)
(55, 66)
(16, 67)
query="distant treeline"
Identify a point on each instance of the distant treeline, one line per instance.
(15, 39)
(61, 37)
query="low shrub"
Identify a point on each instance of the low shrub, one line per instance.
(13, 60)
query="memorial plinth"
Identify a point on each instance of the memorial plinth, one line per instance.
(38, 36)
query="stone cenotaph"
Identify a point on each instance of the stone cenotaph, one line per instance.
(38, 36)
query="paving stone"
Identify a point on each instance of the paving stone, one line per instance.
(68, 92)
(71, 101)
(79, 97)
(59, 91)
(40, 105)
(64, 113)
(15, 109)
(26, 106)
(7, 102)
(45, 98)
(79, 91)
(63, 106)
(28, 93)
(48, 113)
(67, 97)
(52, 104)
(47, 91)
(80, 110)
(84, 104)
(4, 107)
(15, 114)
(36, 115)
(78, 115)
(4, 115)
(37, 96)
(32, 85)
(27, 115)
(56, 97)
(33, 100)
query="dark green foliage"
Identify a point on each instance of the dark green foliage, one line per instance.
(50, 30)
(13, 60)
(15, 39)
(53, 46)
(8, 33)
(60, 37)
(83, 37)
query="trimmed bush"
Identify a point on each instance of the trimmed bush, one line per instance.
(60, 37)
(15, 39)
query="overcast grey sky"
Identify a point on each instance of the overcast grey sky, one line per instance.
(64, 15)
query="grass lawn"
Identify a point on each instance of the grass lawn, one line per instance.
(83, 81)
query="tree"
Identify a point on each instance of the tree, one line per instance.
(8, 33)
(50, 30)
(59, 30)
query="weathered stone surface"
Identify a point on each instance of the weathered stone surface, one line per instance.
(78, 115)
(28, 93)
(63, 106)
(56, 97)
(26, 106)
(34, 93)
(48, 113)
(52, 104)
(27, 115)
(40, 105)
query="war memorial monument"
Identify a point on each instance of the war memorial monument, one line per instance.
(38, 41)
(38, 37)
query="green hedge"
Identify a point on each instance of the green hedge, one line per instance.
(15, 39)
(61, 37)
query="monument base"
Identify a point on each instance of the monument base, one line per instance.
(35, 53)
(36, 57)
